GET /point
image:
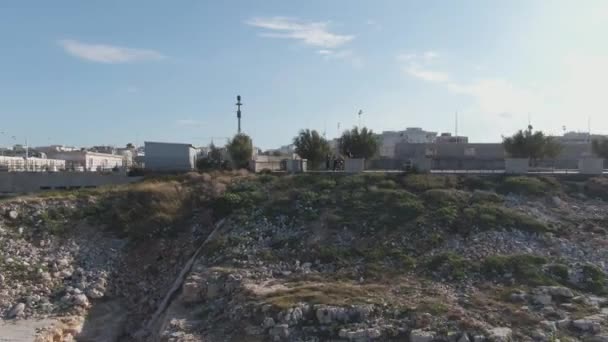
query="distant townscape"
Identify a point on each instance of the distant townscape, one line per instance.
(395, 149)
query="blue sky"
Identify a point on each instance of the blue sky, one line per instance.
(112, 72)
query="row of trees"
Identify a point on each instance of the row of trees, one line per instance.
(362, 143)
(537, 145)
(356, 143)
(240, 149)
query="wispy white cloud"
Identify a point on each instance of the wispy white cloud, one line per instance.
(102, 53)
(308, 32)
(420, 66)
(189, 123)
(347, 55)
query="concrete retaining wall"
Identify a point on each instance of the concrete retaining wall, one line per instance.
(591, 166)
(354, 165)
(517, 165)
(296, 165)
(21, 182)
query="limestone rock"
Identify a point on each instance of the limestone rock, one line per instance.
(500, 334)
(586, 325)
(542, 299)
(81, 300)
(279, 332)
(419, 335)
(268, 322)
(12, 214)
(17, 311)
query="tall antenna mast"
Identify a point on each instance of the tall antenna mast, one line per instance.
(360, 112)
(238, 111)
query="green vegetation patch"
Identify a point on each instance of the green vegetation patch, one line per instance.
(491, 216)
(450, 265)
(423, 182)
(529, 186)
(594, 279)
(524, 268)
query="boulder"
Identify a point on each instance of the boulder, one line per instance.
(80, 300)
(542, 299)
(268, 322)
(12, 214)
(419, 335)
(17, 311)
(279, 332)
(500, 334)
(560, 292)
(586, 325)
(331, 314)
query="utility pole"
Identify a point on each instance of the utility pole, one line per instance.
(238, 111)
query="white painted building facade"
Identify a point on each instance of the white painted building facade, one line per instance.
(413, 135)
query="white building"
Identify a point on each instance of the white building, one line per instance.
(16, 164)
(89, 161)
(570, 138)
(448, 138)
(161, 156)
(413, 135)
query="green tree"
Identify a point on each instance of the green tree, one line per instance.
(130, 146)
(311, 146)
(359, 143)
(213, 161)
(240, 149)
(600, 148)
(532, 145)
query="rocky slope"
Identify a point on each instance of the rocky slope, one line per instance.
(420, 258)
(315, 258)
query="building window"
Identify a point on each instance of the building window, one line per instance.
(470, 152)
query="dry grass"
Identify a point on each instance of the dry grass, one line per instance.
(333, 293)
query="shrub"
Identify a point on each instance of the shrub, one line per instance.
(443, 197)
(387, 184)
(597, 187)
(480, 196)
(523, 185)
(524, 268)
(491, 216)
(594, 279)
(226, 204)
(449, 265)
(146, 210)
(423, 182)
(558, 271)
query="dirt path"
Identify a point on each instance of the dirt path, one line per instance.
(22, 330)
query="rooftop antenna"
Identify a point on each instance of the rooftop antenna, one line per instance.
(238, 111)
(360, 112)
